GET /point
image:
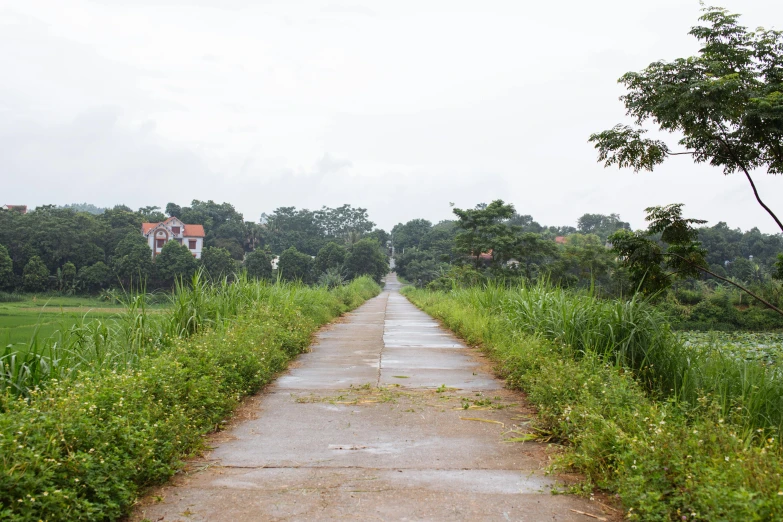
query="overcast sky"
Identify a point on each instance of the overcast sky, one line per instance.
(397, 106)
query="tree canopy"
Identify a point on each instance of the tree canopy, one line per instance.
(258, 264)
(295, 265)
(366, 258)
(484, 230)
(726, 104)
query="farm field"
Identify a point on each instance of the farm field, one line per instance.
(766, 347)
(20, 320)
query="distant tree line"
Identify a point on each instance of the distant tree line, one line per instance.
(82, 248)
(493, 242)
(494, 239)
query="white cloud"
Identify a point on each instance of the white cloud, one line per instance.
(400, 107)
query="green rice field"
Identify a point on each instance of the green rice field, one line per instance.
(20, 320)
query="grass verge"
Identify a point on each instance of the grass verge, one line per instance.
(682, 453)
(85, 447)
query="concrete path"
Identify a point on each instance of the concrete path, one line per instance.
(389, 417)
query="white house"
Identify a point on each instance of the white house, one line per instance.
(158, 234)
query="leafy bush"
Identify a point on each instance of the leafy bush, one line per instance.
(83, 448)
(688, 297)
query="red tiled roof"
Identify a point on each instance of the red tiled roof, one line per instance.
(194, 231)
(189, 231)
(561, 240)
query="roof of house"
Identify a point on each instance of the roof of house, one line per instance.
(194, 231)
(18, 208)
(561, 240)
(188, 231)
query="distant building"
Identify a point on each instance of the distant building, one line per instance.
(22, 209)
(158, 234)
(560, 240)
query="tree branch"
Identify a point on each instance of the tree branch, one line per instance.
(739, 163)
(716, 276)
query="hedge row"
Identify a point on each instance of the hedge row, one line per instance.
(85, 449)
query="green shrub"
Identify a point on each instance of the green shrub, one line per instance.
(688, 297)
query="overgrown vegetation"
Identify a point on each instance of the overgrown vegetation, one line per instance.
(678, 432)
(91, 416)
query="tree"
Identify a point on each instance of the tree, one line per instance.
(409, 235)
(295, 266)
(151, 214)
(66, 278)
(585, 259)
(343, 222)
(726, 103)
(258, 264)
(6, 268)
(94, 277)
(173, 210)
(231, 245)
(174, 261)
(601, 225)
(35, 276)
(535, 254)
(132, 259)
(526, 223)
(653, 265)
(366, 258)
(217, 262)
(330, 256)
(254, 236)
(484, 230)
(380, 236)
(288, 227)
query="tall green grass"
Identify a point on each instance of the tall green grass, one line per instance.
(121, 341)
(635, 335)
(130, 405)
(674, 431)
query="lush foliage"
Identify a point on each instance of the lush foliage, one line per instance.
(725, 104)
(258, 264)
(366, 258)
(84, 445)
(295, 266)
(309, 231)
(330, 256)
(485, 230)
(6, 268)
(218, 263)
(174, 261)
(35, 275)
(107, 250)
(675, 430)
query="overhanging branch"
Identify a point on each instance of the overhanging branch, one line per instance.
(716, 276)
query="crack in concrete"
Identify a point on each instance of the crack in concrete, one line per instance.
(383, 342)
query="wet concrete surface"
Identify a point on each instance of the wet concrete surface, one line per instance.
(388, 417)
